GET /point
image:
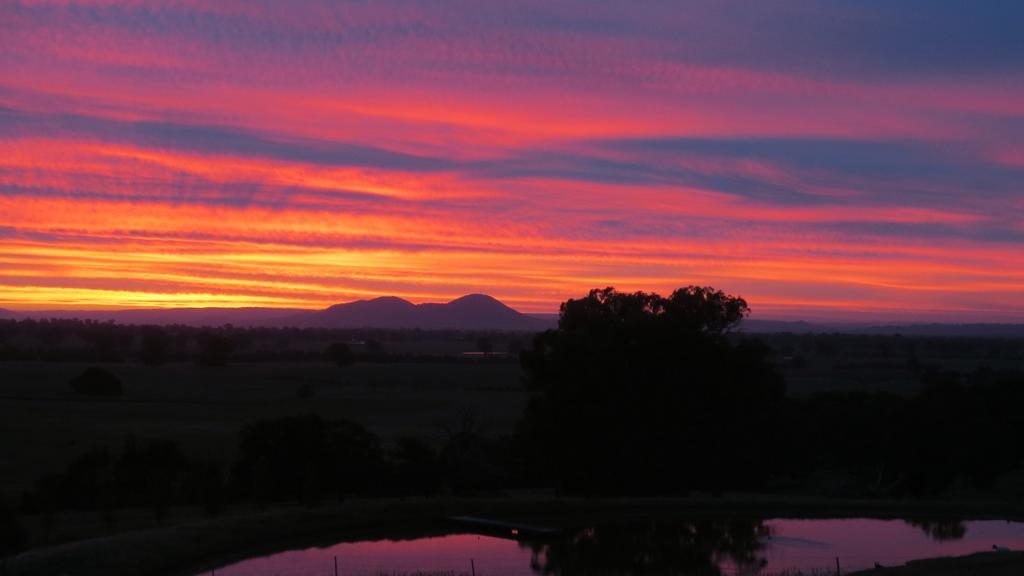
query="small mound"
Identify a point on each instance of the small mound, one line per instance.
(95, 381)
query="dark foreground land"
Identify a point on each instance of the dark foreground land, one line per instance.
(165, 474)
(983, 564)
(44, 425)
(192, 547)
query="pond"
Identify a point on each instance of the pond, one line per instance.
(757, 547)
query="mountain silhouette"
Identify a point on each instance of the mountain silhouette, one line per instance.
(471, 312)
(169, 316)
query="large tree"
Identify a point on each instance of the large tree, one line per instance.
(639, 393)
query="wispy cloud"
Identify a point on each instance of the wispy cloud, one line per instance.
(819, 158)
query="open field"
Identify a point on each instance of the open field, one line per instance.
(43, 426)
(824, 362)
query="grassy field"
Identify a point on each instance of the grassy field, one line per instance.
(859, 370)
(43, 426)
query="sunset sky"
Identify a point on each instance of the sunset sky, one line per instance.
(826, 160)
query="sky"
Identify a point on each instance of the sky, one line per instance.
(842, 160)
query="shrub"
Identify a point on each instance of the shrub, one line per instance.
(12, 533)
(340, 354)
(96, 381)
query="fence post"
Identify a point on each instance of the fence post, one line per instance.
(472, 566)
(837, 567)
(335, 566)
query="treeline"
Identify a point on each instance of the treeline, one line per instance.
(60, 340)
(640, 394)
(961, 434)
(304, 459)
(796, 348)
(68, 340)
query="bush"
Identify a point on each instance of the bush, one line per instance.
(299, 457)
(417, 467)
(145, 474)
(155, 342)
(12, 533)
(1010, 486)
(340, 354)
(96, 381)
(214, 350)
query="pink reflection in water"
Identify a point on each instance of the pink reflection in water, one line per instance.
(859, 543)
(794, 545)
(492, 556)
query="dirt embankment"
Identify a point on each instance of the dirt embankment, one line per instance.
(982, 564)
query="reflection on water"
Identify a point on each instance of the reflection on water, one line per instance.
(941, 529)
(703, 547)
(655, 548)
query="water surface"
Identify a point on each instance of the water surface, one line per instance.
(699, 547)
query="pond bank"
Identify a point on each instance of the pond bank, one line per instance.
(981, 564)
(187, 548)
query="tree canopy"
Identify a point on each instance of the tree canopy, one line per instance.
(635, 392)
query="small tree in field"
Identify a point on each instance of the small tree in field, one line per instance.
(214, 349)
(154, 346)
(12, 533)
(484, 344)
(340, 354)
(95, 381)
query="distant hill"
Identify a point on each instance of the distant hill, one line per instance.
(472, 312)
(551, 319)
(185, 316)
(973, 330)
(754, 326)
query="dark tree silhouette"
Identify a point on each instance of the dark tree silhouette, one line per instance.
(340, 354)
(155, 342)
(205, 485)
(471, 460)
(636, 393)
(667, 548)
(150, 474)
(146, 474)
(941, 530)
(417, 467)
(95, 381)
(484, 344)
(374, 347)
(12, 533)
(214, 349)
(299, 457)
